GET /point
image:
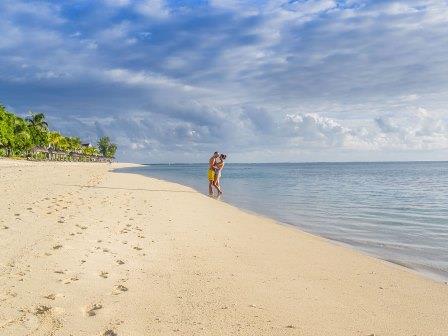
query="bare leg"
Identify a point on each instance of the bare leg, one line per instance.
(210, 189)
(217, 186)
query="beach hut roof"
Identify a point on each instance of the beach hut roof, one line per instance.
(40, 149)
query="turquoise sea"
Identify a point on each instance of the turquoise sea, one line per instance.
(397, 211)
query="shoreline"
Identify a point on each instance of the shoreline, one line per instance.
(89, 251)
(403, 266)
(433, 275)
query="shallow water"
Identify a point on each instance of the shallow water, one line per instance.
(396, 211)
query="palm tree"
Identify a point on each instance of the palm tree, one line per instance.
(64, 144)
(38, 129)
(18, 136)
(74, 144)
(37, 120)
(54, 139)
(22, 141)
(6, 130)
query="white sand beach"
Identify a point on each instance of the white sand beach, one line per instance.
(89, 251)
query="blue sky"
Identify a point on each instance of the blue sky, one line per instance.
(264, 81)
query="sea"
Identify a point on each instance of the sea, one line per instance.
(396, 211)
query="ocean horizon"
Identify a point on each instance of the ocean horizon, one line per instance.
(394, 210)
(297, 162)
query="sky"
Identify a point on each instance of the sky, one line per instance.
(261, 80)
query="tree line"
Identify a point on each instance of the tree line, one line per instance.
(30, 137)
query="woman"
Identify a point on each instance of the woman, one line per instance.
(219, 165)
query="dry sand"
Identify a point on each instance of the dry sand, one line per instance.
(88, 251)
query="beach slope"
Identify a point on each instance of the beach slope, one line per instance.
(89, 251)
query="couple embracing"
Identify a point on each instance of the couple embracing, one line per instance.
(216, 164)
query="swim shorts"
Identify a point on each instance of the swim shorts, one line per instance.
(211, 175)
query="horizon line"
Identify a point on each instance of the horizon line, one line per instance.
(301, 162)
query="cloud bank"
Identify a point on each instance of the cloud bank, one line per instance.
(267, 80)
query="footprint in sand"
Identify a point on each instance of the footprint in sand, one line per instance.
(104, 274)
(120, 262)
(137, 248)
(57, 247)
(119, 289)
(50, 296)
(70, 280)
(11, 294)
(41, 310)
(91, 310)
(110, 332)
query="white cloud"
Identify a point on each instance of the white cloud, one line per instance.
(313, 128)
(309, 7)
(117, 3)
(48, 13)
(152, 8)
(143, 78)
(271, 77)
(399, 8)
(417, 129)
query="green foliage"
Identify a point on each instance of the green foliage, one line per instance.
(74, 144)
(107, 148)
(54, 140)
(38, 129)
(18, 136)
(90, 151)
(6, 130)
(15, 137)
(23, 137)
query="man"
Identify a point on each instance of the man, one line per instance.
(211, 172)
